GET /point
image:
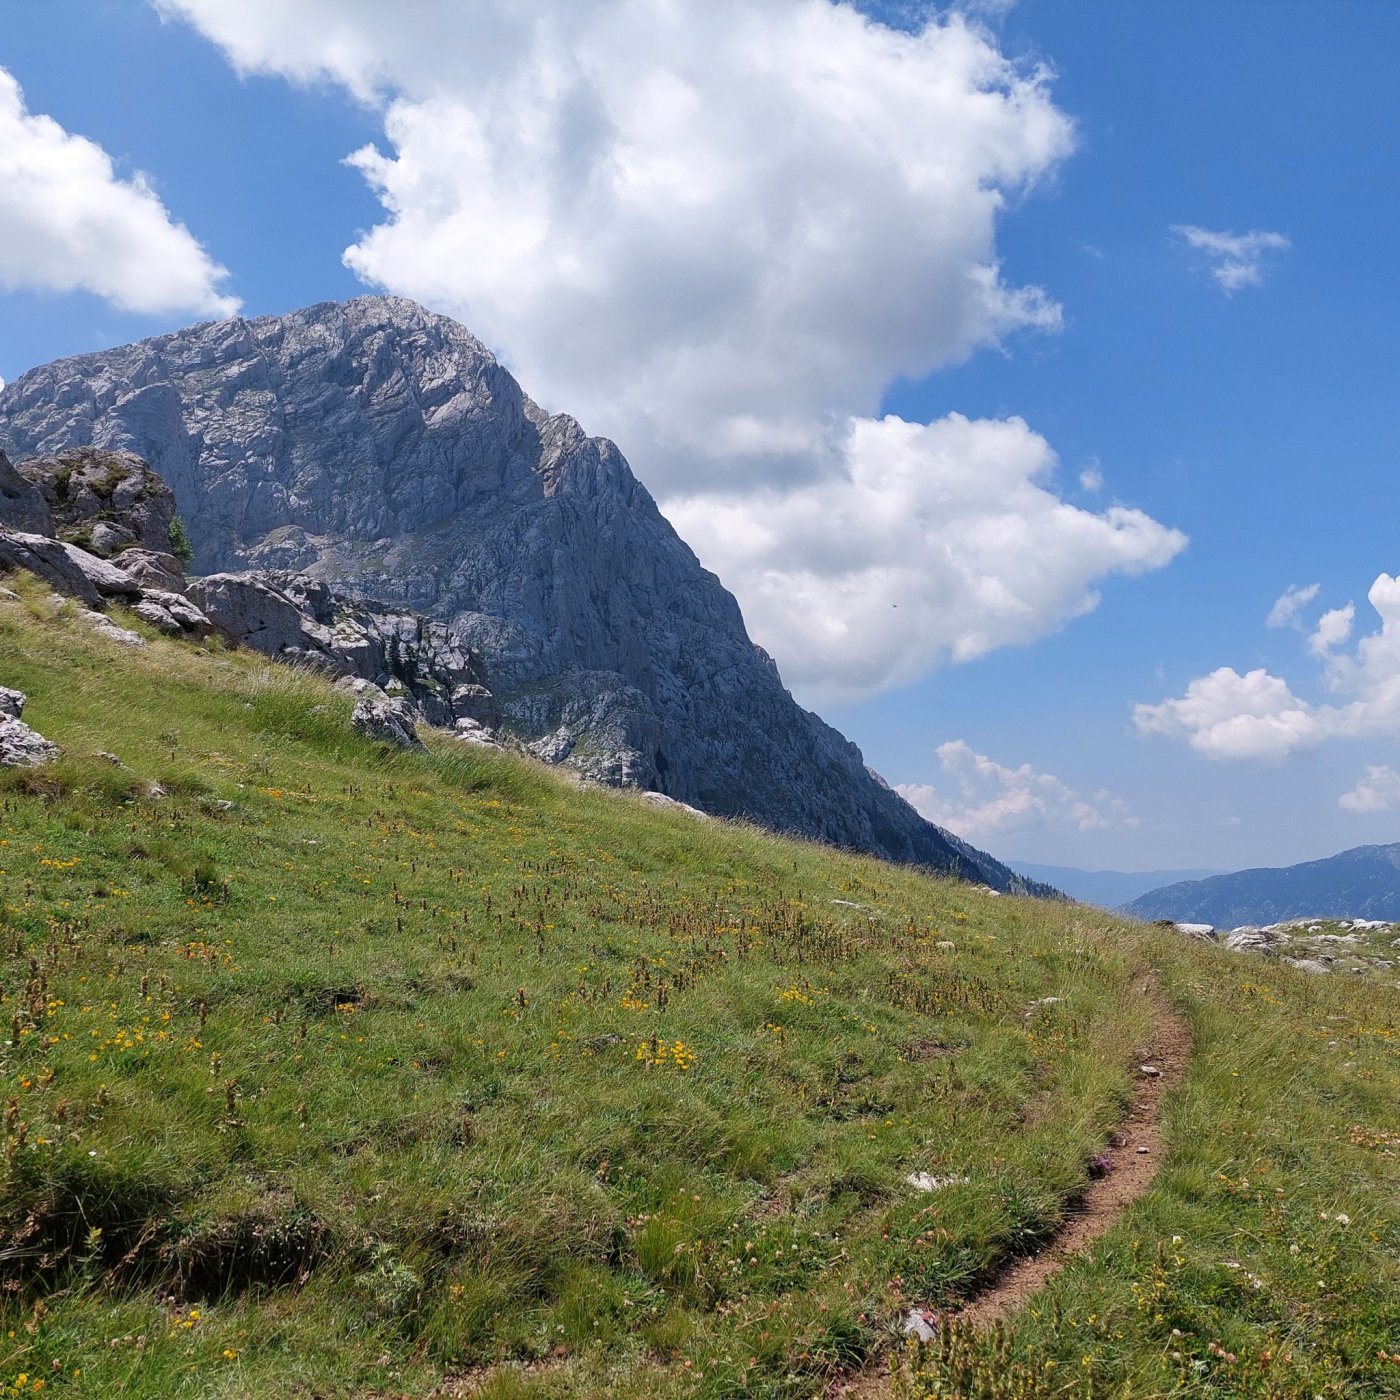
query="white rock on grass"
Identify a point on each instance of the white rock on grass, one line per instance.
(659, 799)
(921, 1325)
(20, 746)
(924, 1181)
(103, 626)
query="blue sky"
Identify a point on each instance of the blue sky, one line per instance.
(1262, 422)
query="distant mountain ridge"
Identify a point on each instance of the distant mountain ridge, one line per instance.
(1362, 883)
(1107, 888)
(382, 448)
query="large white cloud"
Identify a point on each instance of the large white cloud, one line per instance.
(981, 798)
(68, 223)
(701, 226)
(931, 542)
(1226, 715)
(718, 230)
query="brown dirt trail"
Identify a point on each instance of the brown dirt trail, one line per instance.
(1136, 1153)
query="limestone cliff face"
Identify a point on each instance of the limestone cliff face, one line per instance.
(383, 448)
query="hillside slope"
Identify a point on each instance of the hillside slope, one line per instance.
(382, 447)
(343, 1071)
(1362, 883)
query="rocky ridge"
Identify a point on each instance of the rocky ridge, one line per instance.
(1362, 947)
(107, 532)
(382, 449)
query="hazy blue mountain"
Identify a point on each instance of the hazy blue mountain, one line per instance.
(1108, 888)
(1363, 883)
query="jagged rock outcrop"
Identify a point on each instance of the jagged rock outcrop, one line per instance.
(104, 502)
(382, 448)
(21, 502)
(295, 618)
(289, 617)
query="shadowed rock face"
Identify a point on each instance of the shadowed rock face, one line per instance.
(381, 447)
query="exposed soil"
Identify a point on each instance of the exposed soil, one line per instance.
(1135, 1154)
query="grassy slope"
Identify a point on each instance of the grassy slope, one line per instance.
(408, 1066)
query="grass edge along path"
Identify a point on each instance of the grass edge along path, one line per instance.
(1128, 1165)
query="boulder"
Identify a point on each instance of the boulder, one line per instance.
(20, 746)
(152, 569)
(103, 500)
(468, 731)
(251, 611)
(50, 561)
(388, 720)
(106, 578)
(173, 613)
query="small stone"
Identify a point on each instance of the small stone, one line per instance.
(923, 1181)
(921, 1324)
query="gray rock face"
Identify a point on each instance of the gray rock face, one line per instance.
(22, 505)
(103, 501)
(386, 719)
(382, 448)
(295, 618)
(20, 746)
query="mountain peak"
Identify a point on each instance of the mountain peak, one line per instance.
(381, 447)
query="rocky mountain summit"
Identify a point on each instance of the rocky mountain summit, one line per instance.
(382, 449)
(99, 526)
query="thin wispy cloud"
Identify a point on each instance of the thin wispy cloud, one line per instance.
(980, 798)
(1235, 260)
(1289, 605)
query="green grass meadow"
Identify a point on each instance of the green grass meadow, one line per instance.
(343, 1072)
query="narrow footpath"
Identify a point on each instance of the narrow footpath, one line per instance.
(1136, 1153)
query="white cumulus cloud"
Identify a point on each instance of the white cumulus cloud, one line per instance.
(69, 223)
(1333, 628)
(1235, 259)
(1377, 791)
(982, 798)
(717, 231)
(1226, 715)
(704, 226)
(932, 542)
